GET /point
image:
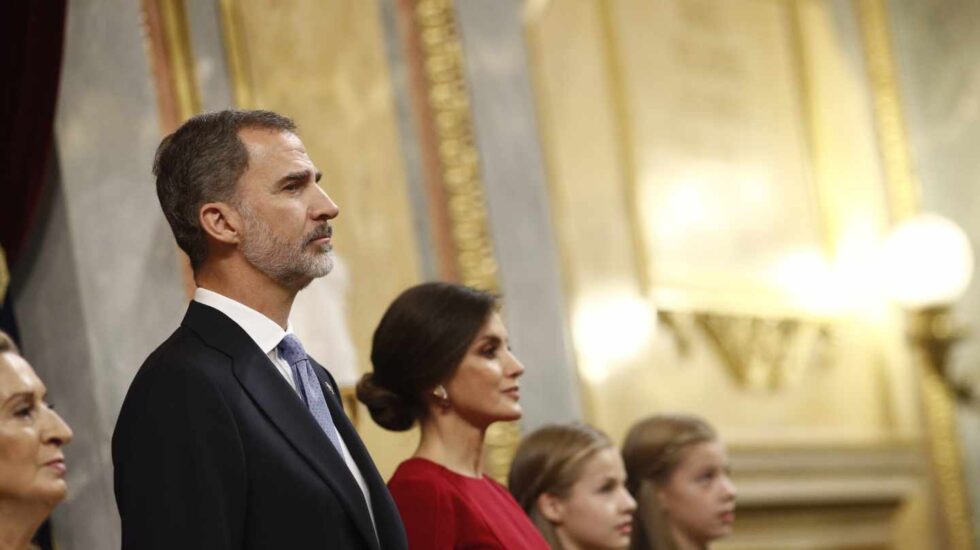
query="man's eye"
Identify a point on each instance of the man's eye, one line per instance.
(24, 412)
(489, 352)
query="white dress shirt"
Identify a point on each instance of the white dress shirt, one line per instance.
(267, 335)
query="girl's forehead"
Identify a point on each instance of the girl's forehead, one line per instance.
(704, 452)
(602, 463)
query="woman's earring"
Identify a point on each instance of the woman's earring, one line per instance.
(442, 396)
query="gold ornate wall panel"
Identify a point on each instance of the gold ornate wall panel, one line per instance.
(448, 105)
(716, 129)
(168, 45)
(4, 276)
(236, 53)
(582, 144)
(899, 173)
(939, 407)
(640, 365)
(173, 15)
(755, 185)
(456, 188)
(323, 64)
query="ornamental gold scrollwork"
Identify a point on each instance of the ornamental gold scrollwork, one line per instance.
(759, 353)
(448, 100)
(237, 52)
(4, 275)
(442, 64)
(903, 198)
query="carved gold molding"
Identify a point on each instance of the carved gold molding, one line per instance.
(619, 106)
(903, 194)
(903, 190)
(759, 353)
(173, 14)
(171, 58)
(236, 49)
(167, 36)
(4, 275)
(448, 99)
(448, 102)
(945, 453)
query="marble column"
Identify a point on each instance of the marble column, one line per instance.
(935, 44)
(100, 286)
(517, 197)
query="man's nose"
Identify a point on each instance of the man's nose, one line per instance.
(323, 206)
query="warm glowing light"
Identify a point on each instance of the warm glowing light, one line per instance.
(812, 282)
(926, 261)
(610, 328)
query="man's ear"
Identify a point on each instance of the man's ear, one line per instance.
(552, 508)
(221, 222)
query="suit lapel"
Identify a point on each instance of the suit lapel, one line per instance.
(385, 512)
(283, 407)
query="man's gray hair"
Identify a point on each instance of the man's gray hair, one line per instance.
(200, 163)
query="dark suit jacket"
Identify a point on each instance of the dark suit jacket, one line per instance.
(213, 449)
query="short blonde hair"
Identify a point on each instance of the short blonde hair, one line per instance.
(652, 450)
(550, 460)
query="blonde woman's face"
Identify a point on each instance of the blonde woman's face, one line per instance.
(598, 511)
(32, 466)
(699, 497)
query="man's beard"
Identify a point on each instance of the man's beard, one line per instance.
(291, 264)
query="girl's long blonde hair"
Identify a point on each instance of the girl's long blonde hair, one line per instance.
(652, 450)
(550, 460)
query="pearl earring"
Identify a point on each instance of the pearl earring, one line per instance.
(441, 395)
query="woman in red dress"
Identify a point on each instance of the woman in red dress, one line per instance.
(441, 358)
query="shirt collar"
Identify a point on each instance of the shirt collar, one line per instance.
(262, 330)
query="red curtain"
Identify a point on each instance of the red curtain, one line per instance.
(31, 42)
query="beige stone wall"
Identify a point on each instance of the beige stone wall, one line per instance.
(717, 167)
(323, 64)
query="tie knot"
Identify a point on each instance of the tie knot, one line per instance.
(291, 349)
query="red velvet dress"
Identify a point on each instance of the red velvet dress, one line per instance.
(443, 510)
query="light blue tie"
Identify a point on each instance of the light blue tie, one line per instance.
(308, 386)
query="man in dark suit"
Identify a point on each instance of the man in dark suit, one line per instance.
(230, 436)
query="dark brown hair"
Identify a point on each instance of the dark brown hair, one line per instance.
(201, 162)
(652, 450)
(550, 460)
(419, 343)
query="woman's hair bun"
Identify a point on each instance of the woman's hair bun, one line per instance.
(388, 409)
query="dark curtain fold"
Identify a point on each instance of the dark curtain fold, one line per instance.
(31, 42)
(31, 45)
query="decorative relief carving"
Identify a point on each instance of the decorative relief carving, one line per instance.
(4, 276)
(903, 198)
(169, 47)
(442, 65)
(903, 189)
(235, 49)
(762, 353)
(449, 104)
